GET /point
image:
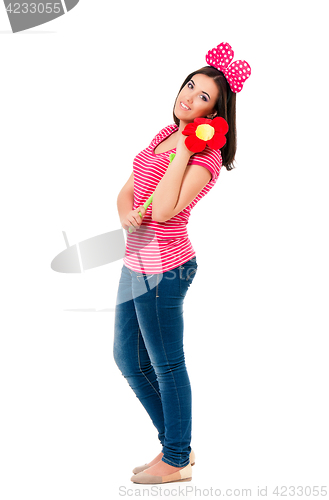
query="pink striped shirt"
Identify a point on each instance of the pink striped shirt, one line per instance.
(157, 247)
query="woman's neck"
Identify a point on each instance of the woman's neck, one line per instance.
(182, 125)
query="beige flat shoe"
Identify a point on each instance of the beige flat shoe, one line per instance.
(184, 474)
(140, 468)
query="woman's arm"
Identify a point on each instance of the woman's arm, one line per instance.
(179, 186)
(166, 194)
(125, 200)
(194, 180)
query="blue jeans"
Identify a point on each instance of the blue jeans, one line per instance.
(148, 349)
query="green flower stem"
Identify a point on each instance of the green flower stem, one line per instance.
(149, 201)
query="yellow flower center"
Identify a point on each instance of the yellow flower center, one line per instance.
(205, 132)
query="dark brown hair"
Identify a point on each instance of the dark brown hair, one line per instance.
(225, 107)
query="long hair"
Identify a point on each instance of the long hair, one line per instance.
(225, 107)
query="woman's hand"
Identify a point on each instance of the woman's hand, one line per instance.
(181, 148)
(133, 219)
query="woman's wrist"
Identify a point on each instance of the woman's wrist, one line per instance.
(181, 148)
(183, 152)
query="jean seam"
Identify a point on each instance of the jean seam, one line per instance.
(180, 411)
(139, 364)
(157, 288)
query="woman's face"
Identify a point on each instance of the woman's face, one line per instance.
(197, 99)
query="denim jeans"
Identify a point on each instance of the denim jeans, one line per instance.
(148, 349)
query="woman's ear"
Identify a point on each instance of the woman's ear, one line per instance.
(212, 116)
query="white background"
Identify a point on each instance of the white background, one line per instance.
(80, 97)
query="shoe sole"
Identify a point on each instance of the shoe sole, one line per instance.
(178, 480)
(146, 467)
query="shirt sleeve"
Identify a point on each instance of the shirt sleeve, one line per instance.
(210, 159)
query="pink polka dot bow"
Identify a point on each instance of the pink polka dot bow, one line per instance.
(236, 73)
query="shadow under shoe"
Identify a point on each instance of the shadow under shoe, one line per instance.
(140, 468)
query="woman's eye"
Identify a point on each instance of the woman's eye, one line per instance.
(190, 86)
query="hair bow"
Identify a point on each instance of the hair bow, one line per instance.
(236, 73)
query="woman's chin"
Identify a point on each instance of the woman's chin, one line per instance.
(183, 115)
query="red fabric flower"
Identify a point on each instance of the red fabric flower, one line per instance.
(203, 131)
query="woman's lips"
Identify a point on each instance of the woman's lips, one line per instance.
(186, 109)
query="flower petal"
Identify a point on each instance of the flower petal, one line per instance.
(217, 142)
(190, 128)
(200, 121)
(194, 144)
(220, 125)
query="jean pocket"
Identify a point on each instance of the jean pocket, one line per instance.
(187, 273)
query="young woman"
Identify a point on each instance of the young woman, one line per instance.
(160, 262)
